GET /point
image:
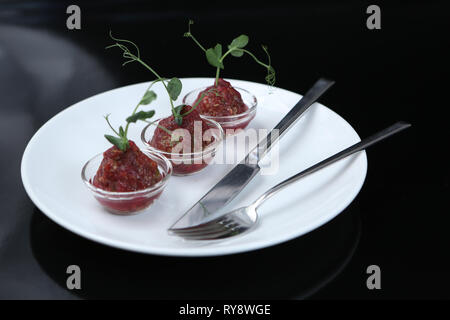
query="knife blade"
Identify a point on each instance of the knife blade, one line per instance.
(235, 180)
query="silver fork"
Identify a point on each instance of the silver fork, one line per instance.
(241, 220)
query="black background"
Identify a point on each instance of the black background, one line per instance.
(399, 220)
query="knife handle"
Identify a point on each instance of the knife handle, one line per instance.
(291, 118)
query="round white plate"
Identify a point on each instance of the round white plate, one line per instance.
(53, 159)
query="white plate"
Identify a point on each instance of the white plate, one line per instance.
(53, 159)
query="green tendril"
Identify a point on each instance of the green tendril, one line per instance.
(189, 34)
(127, 54)
(160, 126)
(271, 76)
(122, 142)
(215, 57)
(109, 124)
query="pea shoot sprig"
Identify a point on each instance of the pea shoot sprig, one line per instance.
(173, 86)
(121, 141)
(215, 57)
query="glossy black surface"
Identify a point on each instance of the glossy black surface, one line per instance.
(399, 220)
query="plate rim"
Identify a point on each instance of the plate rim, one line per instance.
(180, 252)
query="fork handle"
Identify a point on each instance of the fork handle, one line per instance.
(377, 137)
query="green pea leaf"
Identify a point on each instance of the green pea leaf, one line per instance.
(121, 132)
(237, 53)
(174, 88)
(179, 108)
(179, 120)
(177, 114)
(141, 115)
(213, 56)
(239, 42)
(148, 97)
(218, 50)
(120, 143)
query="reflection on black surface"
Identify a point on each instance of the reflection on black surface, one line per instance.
(48, 71)
(41, 74)
(296, 269)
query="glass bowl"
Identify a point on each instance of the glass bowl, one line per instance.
(187, 163)
(230, 124)
(127, 203)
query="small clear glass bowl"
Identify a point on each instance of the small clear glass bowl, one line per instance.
(187, 163)
(230, 124)
(127, 203)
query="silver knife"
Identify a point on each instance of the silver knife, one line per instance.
(235, 180)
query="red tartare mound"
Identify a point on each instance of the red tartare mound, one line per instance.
(162, 140)
(126, 171)
(224, 100)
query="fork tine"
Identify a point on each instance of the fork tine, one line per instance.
(227, 225)
(225, 232)
(211, 232)
(219, 235)
(211, 227)
(218, 229)
(204, 226)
